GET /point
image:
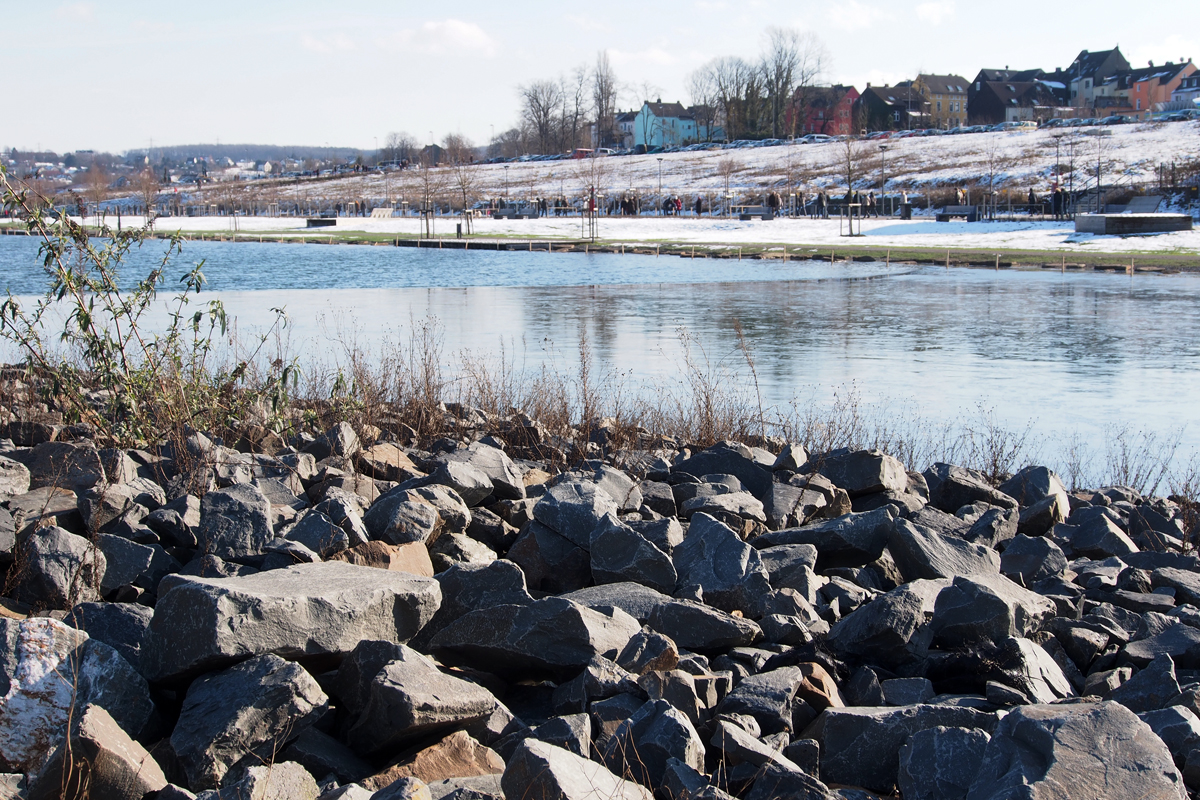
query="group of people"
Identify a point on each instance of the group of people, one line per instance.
(672, 206)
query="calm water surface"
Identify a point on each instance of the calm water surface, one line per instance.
(1065, 351)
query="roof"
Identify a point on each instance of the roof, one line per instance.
(667, 110)
(1087, 65)
(945, 84)
(1006, 74)
(1019, 94)
(828, 96)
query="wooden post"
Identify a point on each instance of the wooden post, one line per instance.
(739, 254)
(693, 251)
(947, 259)
(997, 262)
(832, 255)
(1064, 264)
(889, 259)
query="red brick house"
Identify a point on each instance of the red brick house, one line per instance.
(822, 109)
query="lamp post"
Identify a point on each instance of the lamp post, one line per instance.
(506, 182)
(883, 148)
(660, 177)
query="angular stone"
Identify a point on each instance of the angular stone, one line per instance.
(740, 747)
(730, 459)
(321, 754)
(986, 608)
(782, 561)
(551, 562)
(1100, 537)
(620, 554)
(572, 509)
(69, 465)
(1186, 583)
(733, 505)
(907, 691)
(456, 548)
(1033, 484)
(340, 440)
(553, 635)
(951, 488)
(409, 698)
(235, 523)
(665, 534)
(642, 744)
(695, 626)
(99, 760)
(634, 599)
(318, 533)
(941, 763)
(540, 771)
(676, 687)
(387, 462)
(1039, 518)
(284, 780)
(306, 611)
(1179, 728)
(469, 587)
(921, 553)
(1180, 642)
(404, 789)
(495, 464)
(728, 570)
(1080, 750)
(124, 561)
(600, 679)
(773, 782)
(1031, 559)
(412, 558)
(658, 497)
(853, 540)
(14, 477)
(1034, 672)
(471, 484)
(121, 626)
(60, 569)
(864, 472)
(250, 710)
(1151, 688)
(767, 697)
(400, 519)
(994, 527)
(891, 630)
(648, 651)
(455, 756)
(861, 746)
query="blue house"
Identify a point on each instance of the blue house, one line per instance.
(670, 125)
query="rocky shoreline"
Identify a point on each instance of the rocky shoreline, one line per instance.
(509, 612)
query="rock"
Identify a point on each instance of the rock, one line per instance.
(249, 710)
(994, 527)
(731, 506)
(68, 465)
(951, 488)
(284, 780)
(340, 440)
(986, 608)
(861, 746)
(98, 760)
(1186, 583)
(1037, 519)
(1034, 672)
(891, 630)
(599, 680)
(495, 464)
(553, 635)
(410, 698)
(14, 477)
(387, 462)
(455, 756)
(728, 570)
(235, 523)
(783, 561)
(864, 472)
(491, 529)
(457, 548)
(790, 506)
(1031, 559)
(1033, 484)
(620, 554)
(540, 771)
(864, 688)
(551, 563)
(1099, 537)
(177, 521)
(775, 783)
(124, 561)
(940, 763)
(60, 569)
(907, 691)
(471, 484)
(318, 533)
(740, 747)
(853, 540)
(767, 697)
(921, 553)
(648, 651)
(695, 626)
(634, 599)
(642, 744)
(572, 509)
(658, 497)
(665, 534)
(321, 754)
(472, 587)
(1151, 688)
(412, 558)
(1080, 750)
(676, 687)
(345, 510)
(404, 789)
(401, 518)
(1179, 728)
(1180, 642)
(730, 459)
(305, 611)
(792, 457)
(121, 626)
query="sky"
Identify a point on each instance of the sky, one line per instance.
(120, 75)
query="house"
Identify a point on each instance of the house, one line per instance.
(899, 107)
(662, 124)
(1151, 88)
(1090, 72)
(823, 109)
(947, 99)
(994, 102)
(625, 122)
(1187, 94)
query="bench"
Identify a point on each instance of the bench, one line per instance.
(756, 211)
(383, 213)
(321, 222)
(969, 213)
(509, 213)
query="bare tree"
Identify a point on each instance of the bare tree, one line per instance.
(604, 100)
(398, 146)
(146, 187)
(574, 110)
(430, 186)
(96, 186)
(792, 66)
(464, 175)
(541, 103)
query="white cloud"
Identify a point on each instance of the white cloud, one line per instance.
(75, 11)
(935, 12)
(338, 43)
(443, 37)
(854, 16)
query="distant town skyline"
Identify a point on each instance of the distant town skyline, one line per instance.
(120, 76)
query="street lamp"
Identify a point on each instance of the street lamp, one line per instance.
(506, 181)
(660, 177)
(883, 148)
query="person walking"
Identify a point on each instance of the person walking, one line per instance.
(1032, 201)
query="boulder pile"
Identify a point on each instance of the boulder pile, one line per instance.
(350, 617)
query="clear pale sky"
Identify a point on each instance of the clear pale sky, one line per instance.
(119, 75)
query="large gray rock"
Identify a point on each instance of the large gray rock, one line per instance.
(550, 635)
(304, 611)
(1039, 518)
(401, 518)
(1180, 642)
(951, 488)
(1031, 559)
(730, 459)
(774, 782)
(541, 771)
(48, 671)
(861, 746)
(892, 629)
(124, 561)
(284, 780)
(940, 763)
(409, 698)
(121, 626)
(615, 483)
(1100, 537)
(59, 569)
(986, 608)
(318, 533)
(642, 744)
(852, 540)
(68, 465)
(98, 760)
(14, 477)
(695, 626)
(728, 570)
(243, 715)
(471, 587)
(1186, 583)
(767, 697)
(634, 599)
(921, 553)
(235, 523)
(864, 472)
(470, 483)
(1151, 688)
(551, 562)
(1179, 728)
(495, 464)
(1075, 751)
(1031, 670)
(572, 509)
(1032, 485)
(340, 440)
(783, 562)
(621, 554)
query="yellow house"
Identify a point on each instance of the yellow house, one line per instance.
(947, 98)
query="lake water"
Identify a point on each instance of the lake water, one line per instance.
(1065, 352)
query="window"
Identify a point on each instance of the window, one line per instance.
(939, 104)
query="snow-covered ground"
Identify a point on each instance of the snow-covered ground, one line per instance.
(999, 236)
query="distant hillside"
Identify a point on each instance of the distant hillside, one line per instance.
(250, 152)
